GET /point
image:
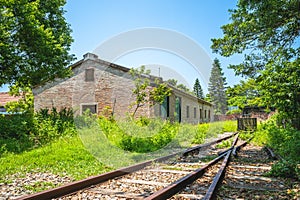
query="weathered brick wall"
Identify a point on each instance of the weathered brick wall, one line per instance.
(111, 90)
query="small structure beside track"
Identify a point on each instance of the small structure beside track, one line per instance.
(247, 124)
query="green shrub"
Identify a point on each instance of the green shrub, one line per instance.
(24, 131)
(16, 126)
(230, 126)
(134, 136)
(285, 168)
(209, 130)
(224, 144)
(285, 140)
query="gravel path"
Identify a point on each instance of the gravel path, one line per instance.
(19, 184)
(245, 178)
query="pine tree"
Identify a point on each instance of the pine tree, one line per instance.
(216, 88)
(198, 89)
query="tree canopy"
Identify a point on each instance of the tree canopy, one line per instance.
(216, 88)
(34, 42)
(244, 94)
(198, 89)
(267, 32)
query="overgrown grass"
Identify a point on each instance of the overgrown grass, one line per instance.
(285, 141)
(224, 144)
(139, 136)
(50, 142)
(64, 156)
(213, 129)
(27, 131)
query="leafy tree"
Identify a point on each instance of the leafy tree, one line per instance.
(144, 93)
(172, 82)
(183, 87)
(216, 88)
(207, 98)
(24, 104)
(244, 94)
(198, 89)
(268, 33)
(34, 42)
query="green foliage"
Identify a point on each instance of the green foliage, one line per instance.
(23, 131)
(198, 89)
(159, 93)
(284, 140)
(172, 82)
(25, 103)
(144, 93)
(183, 88)
(229, 126)
(34, 42)
(268, 33)
(65, 156)
(51, 124)
(235, 111)
(245, 135)
(216, 88)
(224, 144)
(135, 135)
(245, 93)
(213, 129)
(285, 168)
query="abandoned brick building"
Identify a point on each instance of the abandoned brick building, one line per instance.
(103, 86)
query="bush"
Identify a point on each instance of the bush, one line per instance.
(141, 135)
(213, 129)
(22, 131)
(285, 140)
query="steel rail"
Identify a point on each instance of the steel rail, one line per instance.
(237, 148)
(210, 194)
(180, 184)
(93, 180)
(212, 191)
(209, 144)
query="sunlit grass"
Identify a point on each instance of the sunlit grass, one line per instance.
(64, 156)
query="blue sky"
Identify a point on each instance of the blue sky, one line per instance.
(96, 21)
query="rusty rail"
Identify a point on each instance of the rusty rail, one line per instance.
(180, 184)
(81, 184)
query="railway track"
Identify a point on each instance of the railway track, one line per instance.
(193, 174)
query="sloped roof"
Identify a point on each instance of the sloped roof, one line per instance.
(6, 97)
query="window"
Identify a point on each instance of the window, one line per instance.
(89, 75)
(91, 107)
(204, 114)
(187, 111)
(195, 112)
(164, 108)
(200, 113)
(177, 109)
(208, 114)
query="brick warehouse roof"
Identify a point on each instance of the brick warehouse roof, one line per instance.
(6, 97)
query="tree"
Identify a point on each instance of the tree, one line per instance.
(34, 42)
(183, 88)
(244, 94)
(24, 104)
(172, 82)
(268, 32)
(144, 94)
(198, 89)
(216, 88)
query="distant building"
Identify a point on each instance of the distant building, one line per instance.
(104, 87)
(5, 97)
